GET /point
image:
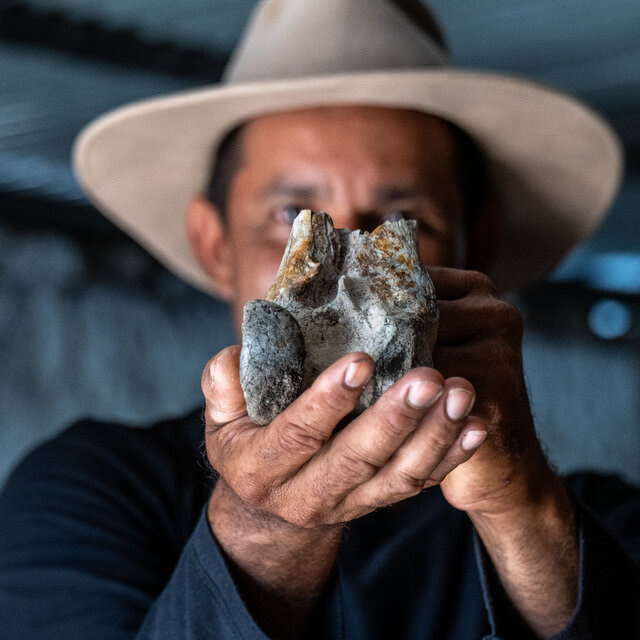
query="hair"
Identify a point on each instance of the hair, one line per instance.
(469, 165)
(225, 163)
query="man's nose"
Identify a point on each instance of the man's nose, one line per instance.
(347, 217)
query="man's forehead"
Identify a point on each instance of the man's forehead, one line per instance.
(366, 135)
(348, 113)
(299, 153)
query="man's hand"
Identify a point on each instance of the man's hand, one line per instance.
(298, 470)
(285, 488)
(480, 338)
(516, 502)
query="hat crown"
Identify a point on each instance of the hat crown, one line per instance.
(297, 38)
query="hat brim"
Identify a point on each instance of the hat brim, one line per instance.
(554, 163)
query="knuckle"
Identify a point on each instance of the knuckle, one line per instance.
(402, 426)
(506, 321)
(440, 442)
(300, 438)
(510, 315)
(395, 416)
(303, 517)
(480, 282)
(251, 491)
(250, 484)
(403, 484)
(351, 467)
(332, 399)
(220, 442)
(398, 422)
(219, 412)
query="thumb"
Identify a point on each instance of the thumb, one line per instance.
(221, 387)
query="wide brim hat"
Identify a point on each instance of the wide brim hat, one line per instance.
(555, 165)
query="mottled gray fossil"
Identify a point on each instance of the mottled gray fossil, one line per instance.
(337, 291)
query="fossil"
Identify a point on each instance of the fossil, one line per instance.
(337, 291)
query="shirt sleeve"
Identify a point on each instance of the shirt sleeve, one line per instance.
(609, 587)
(102, 537)
(200, 601)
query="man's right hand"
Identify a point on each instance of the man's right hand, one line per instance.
(284, 488)
(301, 472)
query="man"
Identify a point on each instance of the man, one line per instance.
(293, 540)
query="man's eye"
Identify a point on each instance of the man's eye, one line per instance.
(287, 214)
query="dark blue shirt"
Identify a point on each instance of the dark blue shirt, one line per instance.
(103, 536)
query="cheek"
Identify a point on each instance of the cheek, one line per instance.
(256, 267)
(436, 252)
(449, 251)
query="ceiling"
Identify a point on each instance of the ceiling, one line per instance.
(63, 62)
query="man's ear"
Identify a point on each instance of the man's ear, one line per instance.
(209, 240)
(484, 236)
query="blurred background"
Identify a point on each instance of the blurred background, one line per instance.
(92, 326)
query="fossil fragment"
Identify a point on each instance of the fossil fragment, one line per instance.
(337, 291)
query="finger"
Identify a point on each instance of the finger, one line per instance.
(221, 388)
(485, 362)
(413, 464)
(452, 284)
(364, 446)
(303, 428)
(476, 315)
(471, 437)
(255, 460)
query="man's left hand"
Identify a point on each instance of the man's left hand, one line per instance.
(516, 502)
(479, 339)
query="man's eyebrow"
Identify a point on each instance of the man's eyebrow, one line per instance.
(281, 188)
(393, 192)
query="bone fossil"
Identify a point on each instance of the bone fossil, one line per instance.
(337, 291)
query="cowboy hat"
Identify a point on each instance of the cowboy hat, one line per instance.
(555, 165)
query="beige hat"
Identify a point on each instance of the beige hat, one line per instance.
(555, 164)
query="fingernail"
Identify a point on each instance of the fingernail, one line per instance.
(459, 403)
(358, 374)
(423, 393)
(473, 439)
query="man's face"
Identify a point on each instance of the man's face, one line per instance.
(362, 165)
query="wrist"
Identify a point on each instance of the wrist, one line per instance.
(226, 510)
(541, 505)
(529, 493)
(280, 569)
(533, 547)
(255, 542)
